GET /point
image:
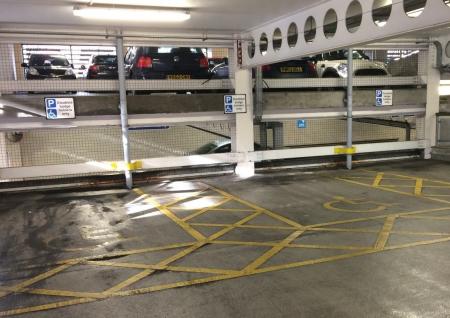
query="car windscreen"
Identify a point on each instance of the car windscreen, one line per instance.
(41, 60)
(207, 148)
(105, 60)
(342, 55)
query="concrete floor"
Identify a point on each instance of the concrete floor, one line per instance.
(373, 242)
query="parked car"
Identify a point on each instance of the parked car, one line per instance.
(303, 68)
(334, 64)
(166, 63)
(46, 66)
(213, 62)
(103, 67)
(219, 146)
(220, 70)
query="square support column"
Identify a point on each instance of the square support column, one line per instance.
(242, 139)
(433, 82)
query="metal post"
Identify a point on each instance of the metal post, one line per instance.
(124, 112)
(349, 106)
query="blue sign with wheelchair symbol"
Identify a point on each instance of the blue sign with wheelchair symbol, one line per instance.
(379, 93)
(229, 109)
(301, 123)
(52, 113)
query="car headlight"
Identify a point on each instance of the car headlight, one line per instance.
(33, 71)
(69, 72)
(342, 69)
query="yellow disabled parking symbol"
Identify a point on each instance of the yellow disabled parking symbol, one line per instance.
(342, 204)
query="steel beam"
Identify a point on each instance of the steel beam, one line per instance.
(435, 15)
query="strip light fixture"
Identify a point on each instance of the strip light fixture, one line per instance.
(138, 14)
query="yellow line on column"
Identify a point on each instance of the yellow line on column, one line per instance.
(418, 187)
(272, 252)
(383, 236)
(378, 179)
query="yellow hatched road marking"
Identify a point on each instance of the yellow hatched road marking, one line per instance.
(276, 247)
(248, 226)
(272, 252)
(194, 233)
(46, 307)
(43, 276)
(206, 209)
(391, 190)
(383, 236)
(418, 187)
(147, 272)
(306, 246)
(421, 217)
(255, 207)
(165, 268)
(378, 179)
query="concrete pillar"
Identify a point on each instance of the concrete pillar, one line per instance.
(434, 78)
(242, 135)
(10, 153)
(7, 63)
(278, 136)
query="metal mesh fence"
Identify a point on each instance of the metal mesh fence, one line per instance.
(332, 131)
(63, 70)
(80, 145)
(48, 68)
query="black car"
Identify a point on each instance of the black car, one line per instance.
(304, 68)
(46, 66)
(166, 63)
(103, 67)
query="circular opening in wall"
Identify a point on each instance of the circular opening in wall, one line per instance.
(277, 39)
(292, 34)
(330, 23)
(251, 48)
(263, 44)
(353, 18)
(447, 2)
(414, 8)
(381, 12)
(447, 49)
(310, 29)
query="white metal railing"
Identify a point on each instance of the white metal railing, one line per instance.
(200, 85)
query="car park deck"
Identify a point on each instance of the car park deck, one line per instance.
(373, 242)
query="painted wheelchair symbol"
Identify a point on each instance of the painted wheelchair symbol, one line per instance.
(342, 204)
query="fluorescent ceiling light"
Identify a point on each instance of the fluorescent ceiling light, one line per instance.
(131, 14)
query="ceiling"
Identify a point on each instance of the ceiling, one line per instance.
(219, 16)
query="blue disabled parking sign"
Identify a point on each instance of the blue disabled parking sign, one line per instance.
(384, 97)
(301, 123)
(234, 104)
(60, 108)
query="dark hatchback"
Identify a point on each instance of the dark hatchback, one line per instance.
(178, 63)
(303, 68)
(103, 67)
(45, 66)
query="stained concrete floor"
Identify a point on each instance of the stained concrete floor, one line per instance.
(373, 242)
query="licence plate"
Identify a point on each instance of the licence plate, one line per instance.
(291, 69)
(53, 78)
(178, 77)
